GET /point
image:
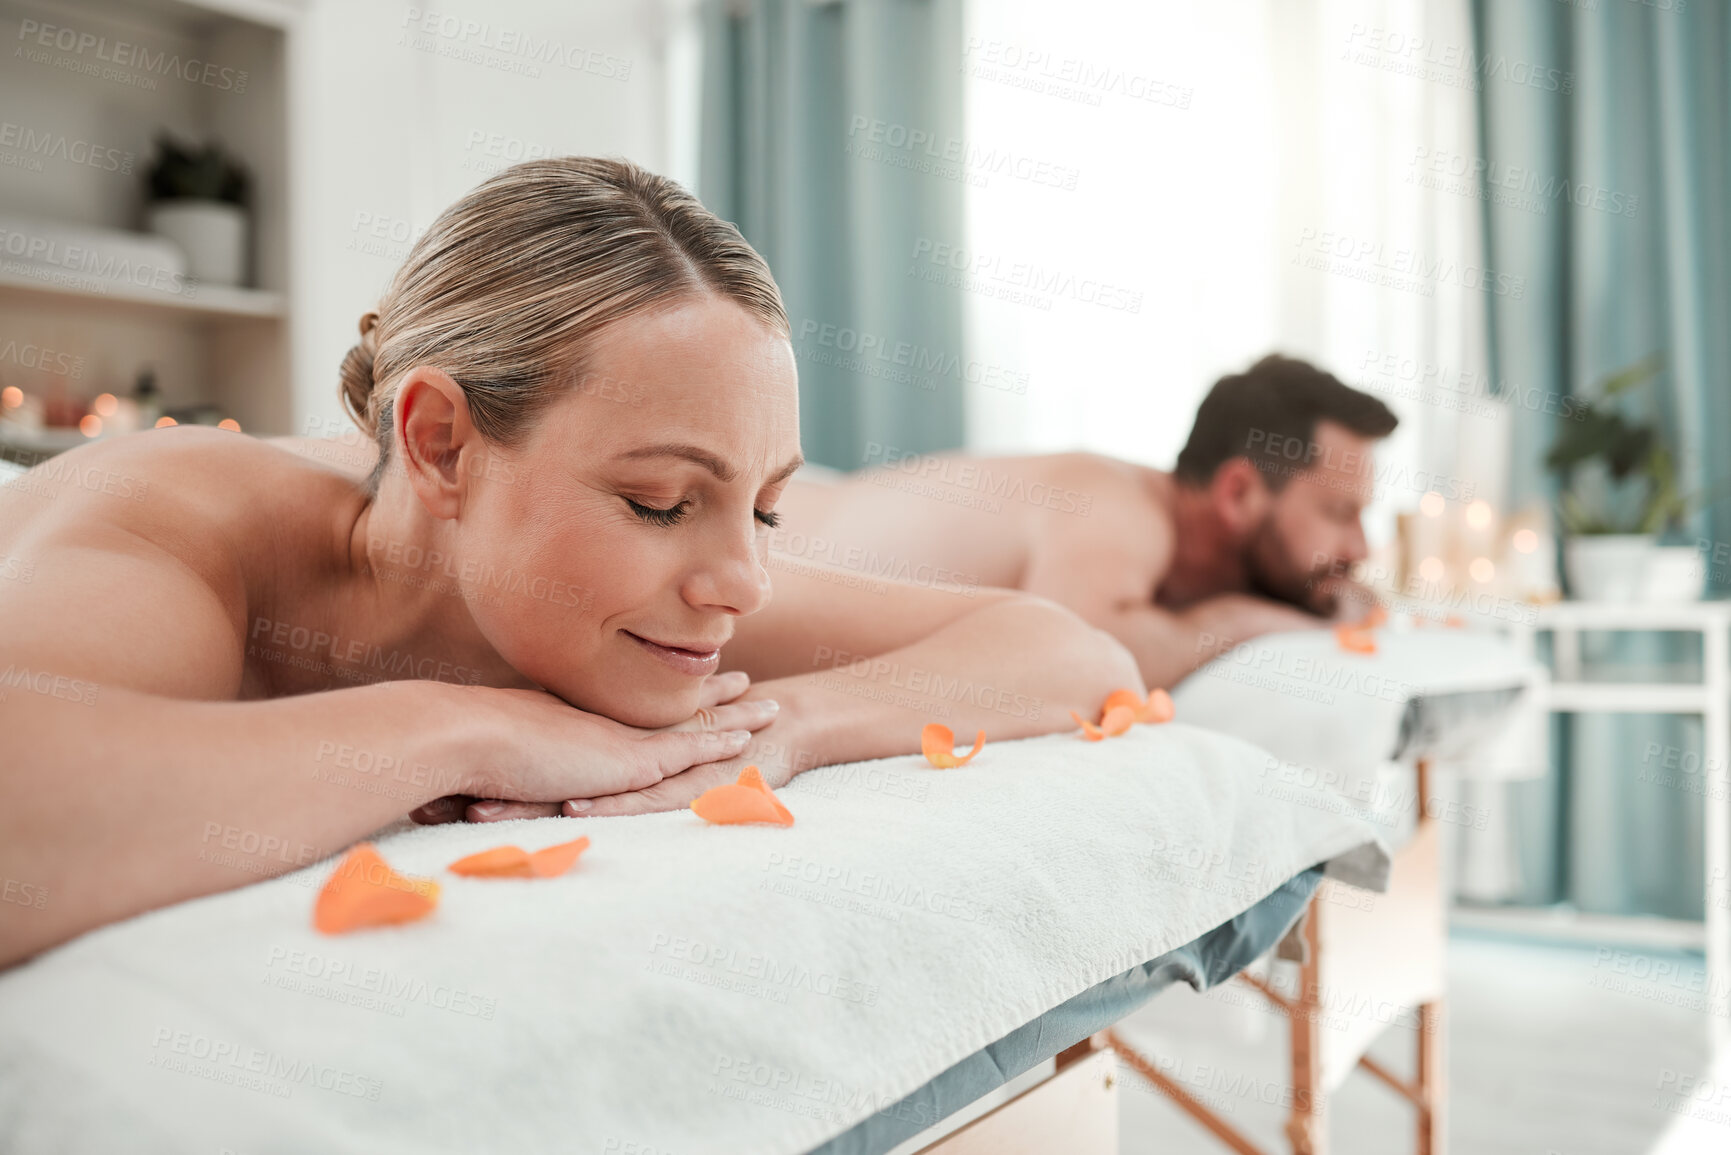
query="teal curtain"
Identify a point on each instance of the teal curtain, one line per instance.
(1629, 104)
(824, 129)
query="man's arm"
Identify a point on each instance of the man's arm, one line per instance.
(1169, 644)
(1108, 575)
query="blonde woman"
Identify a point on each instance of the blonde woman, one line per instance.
(548, 596)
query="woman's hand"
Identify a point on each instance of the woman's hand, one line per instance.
(559, 752)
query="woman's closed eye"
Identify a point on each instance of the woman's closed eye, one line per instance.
(674, 514)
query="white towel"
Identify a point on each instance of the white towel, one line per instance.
(686, 988)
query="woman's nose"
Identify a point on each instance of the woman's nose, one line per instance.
(731, 579)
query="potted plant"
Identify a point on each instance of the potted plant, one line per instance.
(198, 200)
(1618, 493)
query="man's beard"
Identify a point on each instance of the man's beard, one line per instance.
(1272, 573)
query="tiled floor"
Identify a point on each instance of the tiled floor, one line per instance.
(1554, 1050)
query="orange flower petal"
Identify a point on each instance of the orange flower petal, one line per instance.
(1377, 616)
(1128, 698)
(749, 799)
(552, 861)
(1118, 720)
(938, 744)
(1354, 640)
(364, 891)
(499, 862)
(1090, 732)
(1454, 622)
(1160, 707)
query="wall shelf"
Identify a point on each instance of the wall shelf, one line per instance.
(211, 301)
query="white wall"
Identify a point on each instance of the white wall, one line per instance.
(394, 118)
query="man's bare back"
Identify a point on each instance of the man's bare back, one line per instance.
(978, 521)
(1107, 538)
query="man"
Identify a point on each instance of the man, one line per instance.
(1255, 530)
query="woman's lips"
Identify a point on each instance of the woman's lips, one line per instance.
(696, 663)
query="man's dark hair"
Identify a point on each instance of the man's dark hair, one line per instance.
(1268, 414)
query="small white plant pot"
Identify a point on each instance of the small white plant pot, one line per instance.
(212, 234)
(1675, 573)
(1608, 567)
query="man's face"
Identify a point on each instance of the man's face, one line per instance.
(1306, 546)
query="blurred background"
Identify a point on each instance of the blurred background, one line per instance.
(1009, 227)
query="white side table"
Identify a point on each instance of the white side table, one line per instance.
(1710, 698)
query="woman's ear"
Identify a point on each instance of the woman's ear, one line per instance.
(436, 438)
(1240, 496)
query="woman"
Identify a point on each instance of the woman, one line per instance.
(231, 660)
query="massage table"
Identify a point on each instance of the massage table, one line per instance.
(919, 941)
(1374, 732)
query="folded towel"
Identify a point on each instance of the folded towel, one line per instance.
(686, 988)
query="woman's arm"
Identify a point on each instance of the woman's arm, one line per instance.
(131, 779)
(861, 667)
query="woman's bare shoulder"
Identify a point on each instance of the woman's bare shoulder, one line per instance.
(187, 482)
(136, 558)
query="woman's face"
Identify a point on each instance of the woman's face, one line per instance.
(632, 519)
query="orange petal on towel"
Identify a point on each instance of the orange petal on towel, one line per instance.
(1377, 616)
(1128, 698)
(499, 862)
(938, 744)
(1118, 720)
(1160, 708)
(365, 891)
(1090, 732)
(552, 861)
(1354, 640)
(749, 799)
(1454, 622)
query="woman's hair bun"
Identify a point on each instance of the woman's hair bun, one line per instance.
(356, 375)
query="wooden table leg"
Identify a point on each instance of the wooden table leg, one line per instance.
(1432, 1079)
(1305, 1128)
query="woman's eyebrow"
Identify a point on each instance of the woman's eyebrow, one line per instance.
(723, 472)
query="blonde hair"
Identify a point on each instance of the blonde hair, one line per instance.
(510, 285)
